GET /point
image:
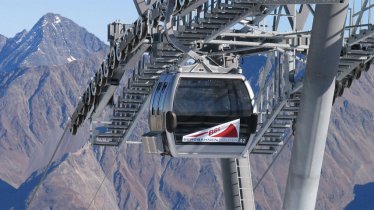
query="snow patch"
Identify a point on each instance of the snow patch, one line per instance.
(40, 50)
(57, 19)
(45, 22)
(71, 59)
(21, 38)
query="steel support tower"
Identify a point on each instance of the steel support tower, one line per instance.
(315, 108)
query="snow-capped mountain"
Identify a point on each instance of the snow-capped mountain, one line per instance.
(39, 86)
(54, 40)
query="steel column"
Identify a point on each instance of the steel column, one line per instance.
(315, 109)
(237, 184)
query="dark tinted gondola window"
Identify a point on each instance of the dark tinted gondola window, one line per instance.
(212, 97)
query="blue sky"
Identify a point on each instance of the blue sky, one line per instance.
(94, 15)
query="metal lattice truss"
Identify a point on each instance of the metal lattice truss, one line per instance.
(169, 34)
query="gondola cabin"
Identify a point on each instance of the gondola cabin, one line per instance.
(201, 115)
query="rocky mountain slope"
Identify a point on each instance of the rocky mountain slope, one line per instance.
(38, 90)
(43, 72)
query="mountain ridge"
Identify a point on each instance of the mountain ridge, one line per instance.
(38, 46)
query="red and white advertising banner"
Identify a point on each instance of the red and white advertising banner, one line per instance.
(225, 133)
